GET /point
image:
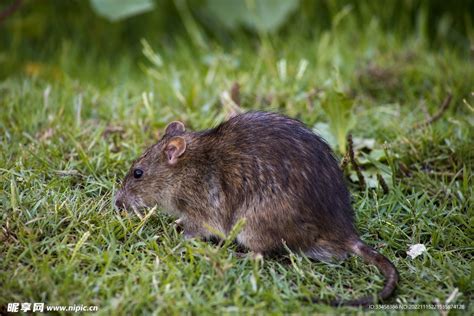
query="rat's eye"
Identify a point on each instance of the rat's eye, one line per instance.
(137, 173)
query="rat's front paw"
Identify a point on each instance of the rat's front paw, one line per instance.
(179, 222)
(189, 234)
(189, 229)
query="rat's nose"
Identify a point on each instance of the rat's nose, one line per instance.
(118, 202)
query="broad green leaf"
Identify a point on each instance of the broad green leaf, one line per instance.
(374, 155)
(323, 130)
(262, 15)
(115, 10)
(338, 108)
(363, 143)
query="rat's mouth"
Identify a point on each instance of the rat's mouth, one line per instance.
(125, 202)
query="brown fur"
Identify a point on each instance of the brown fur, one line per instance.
(264, 167)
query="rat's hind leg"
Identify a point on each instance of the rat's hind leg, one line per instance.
(323, 251)
(192, 229)
(258, 241)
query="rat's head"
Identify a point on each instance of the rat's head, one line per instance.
(151, 179)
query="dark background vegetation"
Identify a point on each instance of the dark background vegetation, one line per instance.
(42, 28)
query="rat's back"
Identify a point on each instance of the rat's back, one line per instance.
(282, 178)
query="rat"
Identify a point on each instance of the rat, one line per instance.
(263, 167)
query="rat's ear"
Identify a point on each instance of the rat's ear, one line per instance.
(175, 128)
(174, 149)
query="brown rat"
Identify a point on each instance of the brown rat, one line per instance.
(264, 167)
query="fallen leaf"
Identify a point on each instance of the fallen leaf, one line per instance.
(360, 143)
(416, 250)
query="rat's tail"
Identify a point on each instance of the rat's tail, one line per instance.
(384, 265)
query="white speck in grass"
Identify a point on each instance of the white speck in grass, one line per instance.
(303, 64)
(211, 74)
(416, 250)
(116, 301)
(282, 69)
(176, 84)
(149, 53)
(78, 107)
(146, 103)
(452, 296)
(253, 282)
(46, 94)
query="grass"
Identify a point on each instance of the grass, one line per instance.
(60, 162)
